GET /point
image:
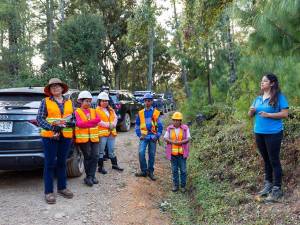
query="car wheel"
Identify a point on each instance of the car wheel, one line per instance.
(126, 123)
(75, 165)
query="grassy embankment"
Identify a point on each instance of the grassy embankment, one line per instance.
(225, 171)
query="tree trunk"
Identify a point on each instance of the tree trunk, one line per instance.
(1, 39)
(62, 10)
(117, 68)
(231, 56)
(13, 34)
(150, 55)
(180, 44)
(207, 59)
(50, 25)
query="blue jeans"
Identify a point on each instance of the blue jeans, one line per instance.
(178, 163)
(151, 155)
(110, 142)
(56, 153)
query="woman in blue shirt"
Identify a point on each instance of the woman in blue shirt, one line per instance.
(269, 108)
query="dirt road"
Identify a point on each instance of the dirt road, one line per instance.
(119, 199)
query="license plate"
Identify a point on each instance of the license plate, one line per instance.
(6, 127)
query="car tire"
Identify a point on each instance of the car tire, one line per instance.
(126, 123)
(75, 166)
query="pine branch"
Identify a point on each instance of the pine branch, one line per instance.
(282, 30)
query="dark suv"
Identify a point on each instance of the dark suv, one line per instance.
(125, 106)
(20, 142)
(157, 100)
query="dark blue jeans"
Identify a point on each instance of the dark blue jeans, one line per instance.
(151, 155)
(178, 163)
(269, 148)
(56, 153)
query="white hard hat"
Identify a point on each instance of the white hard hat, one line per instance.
(103, 96)
(84, 94)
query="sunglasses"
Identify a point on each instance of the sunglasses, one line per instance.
(148, 100)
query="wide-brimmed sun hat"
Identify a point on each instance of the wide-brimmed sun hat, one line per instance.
(55, 81)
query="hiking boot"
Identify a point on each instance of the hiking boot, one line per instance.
(66, 193)
(183, 190)
(175, 188)
(88, 181)
(275, 195)
(50, 198)
(266, 189)
(95, 181)
(140, 174)
(152, 177)
(101, 167)
(115, 166)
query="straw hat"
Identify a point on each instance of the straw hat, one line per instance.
(55, 81)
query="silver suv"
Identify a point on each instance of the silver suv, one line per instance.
(20, 142)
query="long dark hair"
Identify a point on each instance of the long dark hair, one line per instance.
(275, 89)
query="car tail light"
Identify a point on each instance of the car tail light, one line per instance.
(118, 106)
(34, 122)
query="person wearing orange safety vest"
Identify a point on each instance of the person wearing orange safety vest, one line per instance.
(55, 116)
(177, 137)
(107, 132)
(148, 128)
(86, 134)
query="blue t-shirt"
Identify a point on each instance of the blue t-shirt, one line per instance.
(264, 125)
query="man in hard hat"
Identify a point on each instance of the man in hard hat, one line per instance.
(177, 137)
(87, 138)
(148, 128)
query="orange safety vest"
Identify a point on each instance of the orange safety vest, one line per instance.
(104, 131)
(83, 135)
(176, 149)
(143, 126)
(54, 114)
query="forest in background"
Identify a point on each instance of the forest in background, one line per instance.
(212, 51)
(211, 55)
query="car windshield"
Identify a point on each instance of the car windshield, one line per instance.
(30, 100)
(140, 93)
(114, 97)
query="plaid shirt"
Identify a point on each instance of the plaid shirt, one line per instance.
(42, 113)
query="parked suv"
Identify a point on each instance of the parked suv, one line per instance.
(157, 100)
(125, 106)
(20, 142)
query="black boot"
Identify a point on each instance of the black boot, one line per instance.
(101, 167)
(95, 180)
(88, 181)
(114, 163)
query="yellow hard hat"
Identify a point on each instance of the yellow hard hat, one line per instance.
(177, 116)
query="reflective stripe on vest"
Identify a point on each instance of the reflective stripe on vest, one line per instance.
(54, 114)
(143, 126)
(176, 149)
(104, 131)
(83, 135)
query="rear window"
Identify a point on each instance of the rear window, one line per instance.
(114, 98)
(21, 97)
(31, 100)
(140, 93)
